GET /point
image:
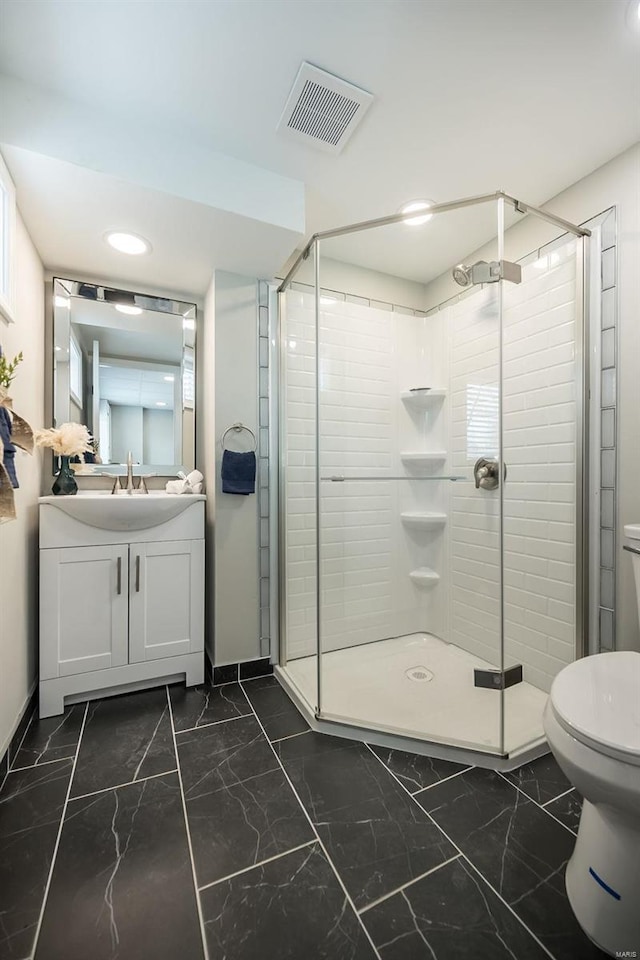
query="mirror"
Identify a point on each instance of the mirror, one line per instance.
(124, 365)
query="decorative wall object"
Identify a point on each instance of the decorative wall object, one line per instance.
(14, 432)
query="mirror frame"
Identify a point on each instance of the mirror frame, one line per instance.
(65, 290)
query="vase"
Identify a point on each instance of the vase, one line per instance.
(65, 483)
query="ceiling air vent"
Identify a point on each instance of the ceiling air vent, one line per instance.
(322, 110)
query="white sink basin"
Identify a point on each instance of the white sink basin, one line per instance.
(122, 511)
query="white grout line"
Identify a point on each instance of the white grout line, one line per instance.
(539, 805)
(553, 799)
(57, 844)
(203, 933)
(322, 846)
(409, 883)
(262, 676)
(260, 863)
(467, 860)
(214, 723)
(118, 786)
(44, 763)
(292, 735)
(451, 776)
(19, 747)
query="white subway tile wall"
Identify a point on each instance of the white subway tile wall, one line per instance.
(367, 552)
(539, 443)
(369, 355)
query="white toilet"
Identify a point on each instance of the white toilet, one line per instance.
(592, 723)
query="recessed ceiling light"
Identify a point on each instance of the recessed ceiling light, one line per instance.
(130, 311)
(62, 302)
(160, 403)
(169, 379)
(128, 243)
(189, 324)
(58, 348)
(412, 207)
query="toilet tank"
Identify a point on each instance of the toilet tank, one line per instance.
(632, 543)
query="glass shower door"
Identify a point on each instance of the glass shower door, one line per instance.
(408, 536)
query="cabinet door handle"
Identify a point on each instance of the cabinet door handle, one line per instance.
(119, 575)
(138, 574)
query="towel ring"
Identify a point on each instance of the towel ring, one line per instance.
(239, 427)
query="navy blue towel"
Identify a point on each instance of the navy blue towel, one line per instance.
(9, 448)
(238, 472)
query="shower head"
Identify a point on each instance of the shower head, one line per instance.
(462, 274)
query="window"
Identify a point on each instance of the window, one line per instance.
(483, 411)
(7, 244)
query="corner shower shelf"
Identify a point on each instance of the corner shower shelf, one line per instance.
(423, 519)
(424, 576)
(414, 456)
(421, 398)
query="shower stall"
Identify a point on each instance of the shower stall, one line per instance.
(432, 462)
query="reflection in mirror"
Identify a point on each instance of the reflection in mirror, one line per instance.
(124, 365)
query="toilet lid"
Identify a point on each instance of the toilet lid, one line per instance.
(598, 701)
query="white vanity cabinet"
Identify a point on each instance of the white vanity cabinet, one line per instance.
(119, 608)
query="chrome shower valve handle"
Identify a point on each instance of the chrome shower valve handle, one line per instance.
(486, 474)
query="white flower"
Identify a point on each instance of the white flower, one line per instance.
(67, 440)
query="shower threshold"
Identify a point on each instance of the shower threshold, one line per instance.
(369, 692)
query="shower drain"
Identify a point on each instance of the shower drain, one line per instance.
(419, 674)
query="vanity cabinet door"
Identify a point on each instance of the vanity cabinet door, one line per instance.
(83, 609)
(166, 593)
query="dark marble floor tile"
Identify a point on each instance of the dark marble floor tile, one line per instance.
(125, 739)
(235, 827)
(197, 706)
(518, 848)
(31, 805)
(225, 674)
(54, 738)
(255, 668)
(122, 884)
(415, 771)
(542, 779)
(16, 739)
(277, 713)
(290, 908)
(452, 914)
(223, 755)
(375, 834)
(567, 809)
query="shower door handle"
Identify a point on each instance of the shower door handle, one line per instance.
(486, 474)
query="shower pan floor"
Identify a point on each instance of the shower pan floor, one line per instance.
(372, 685)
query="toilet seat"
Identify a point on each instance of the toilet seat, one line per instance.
(597, 701)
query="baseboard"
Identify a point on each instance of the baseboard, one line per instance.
(233, 672)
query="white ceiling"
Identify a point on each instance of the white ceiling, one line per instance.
(471, 97)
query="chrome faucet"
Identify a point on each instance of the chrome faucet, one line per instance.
(130, 487)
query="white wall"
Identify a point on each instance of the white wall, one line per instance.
(19, 538)
(157, 436)
(206, 447)
(126, 433)
(359, 282)
(236, 611)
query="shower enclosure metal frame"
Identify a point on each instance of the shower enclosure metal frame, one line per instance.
(312, 248)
